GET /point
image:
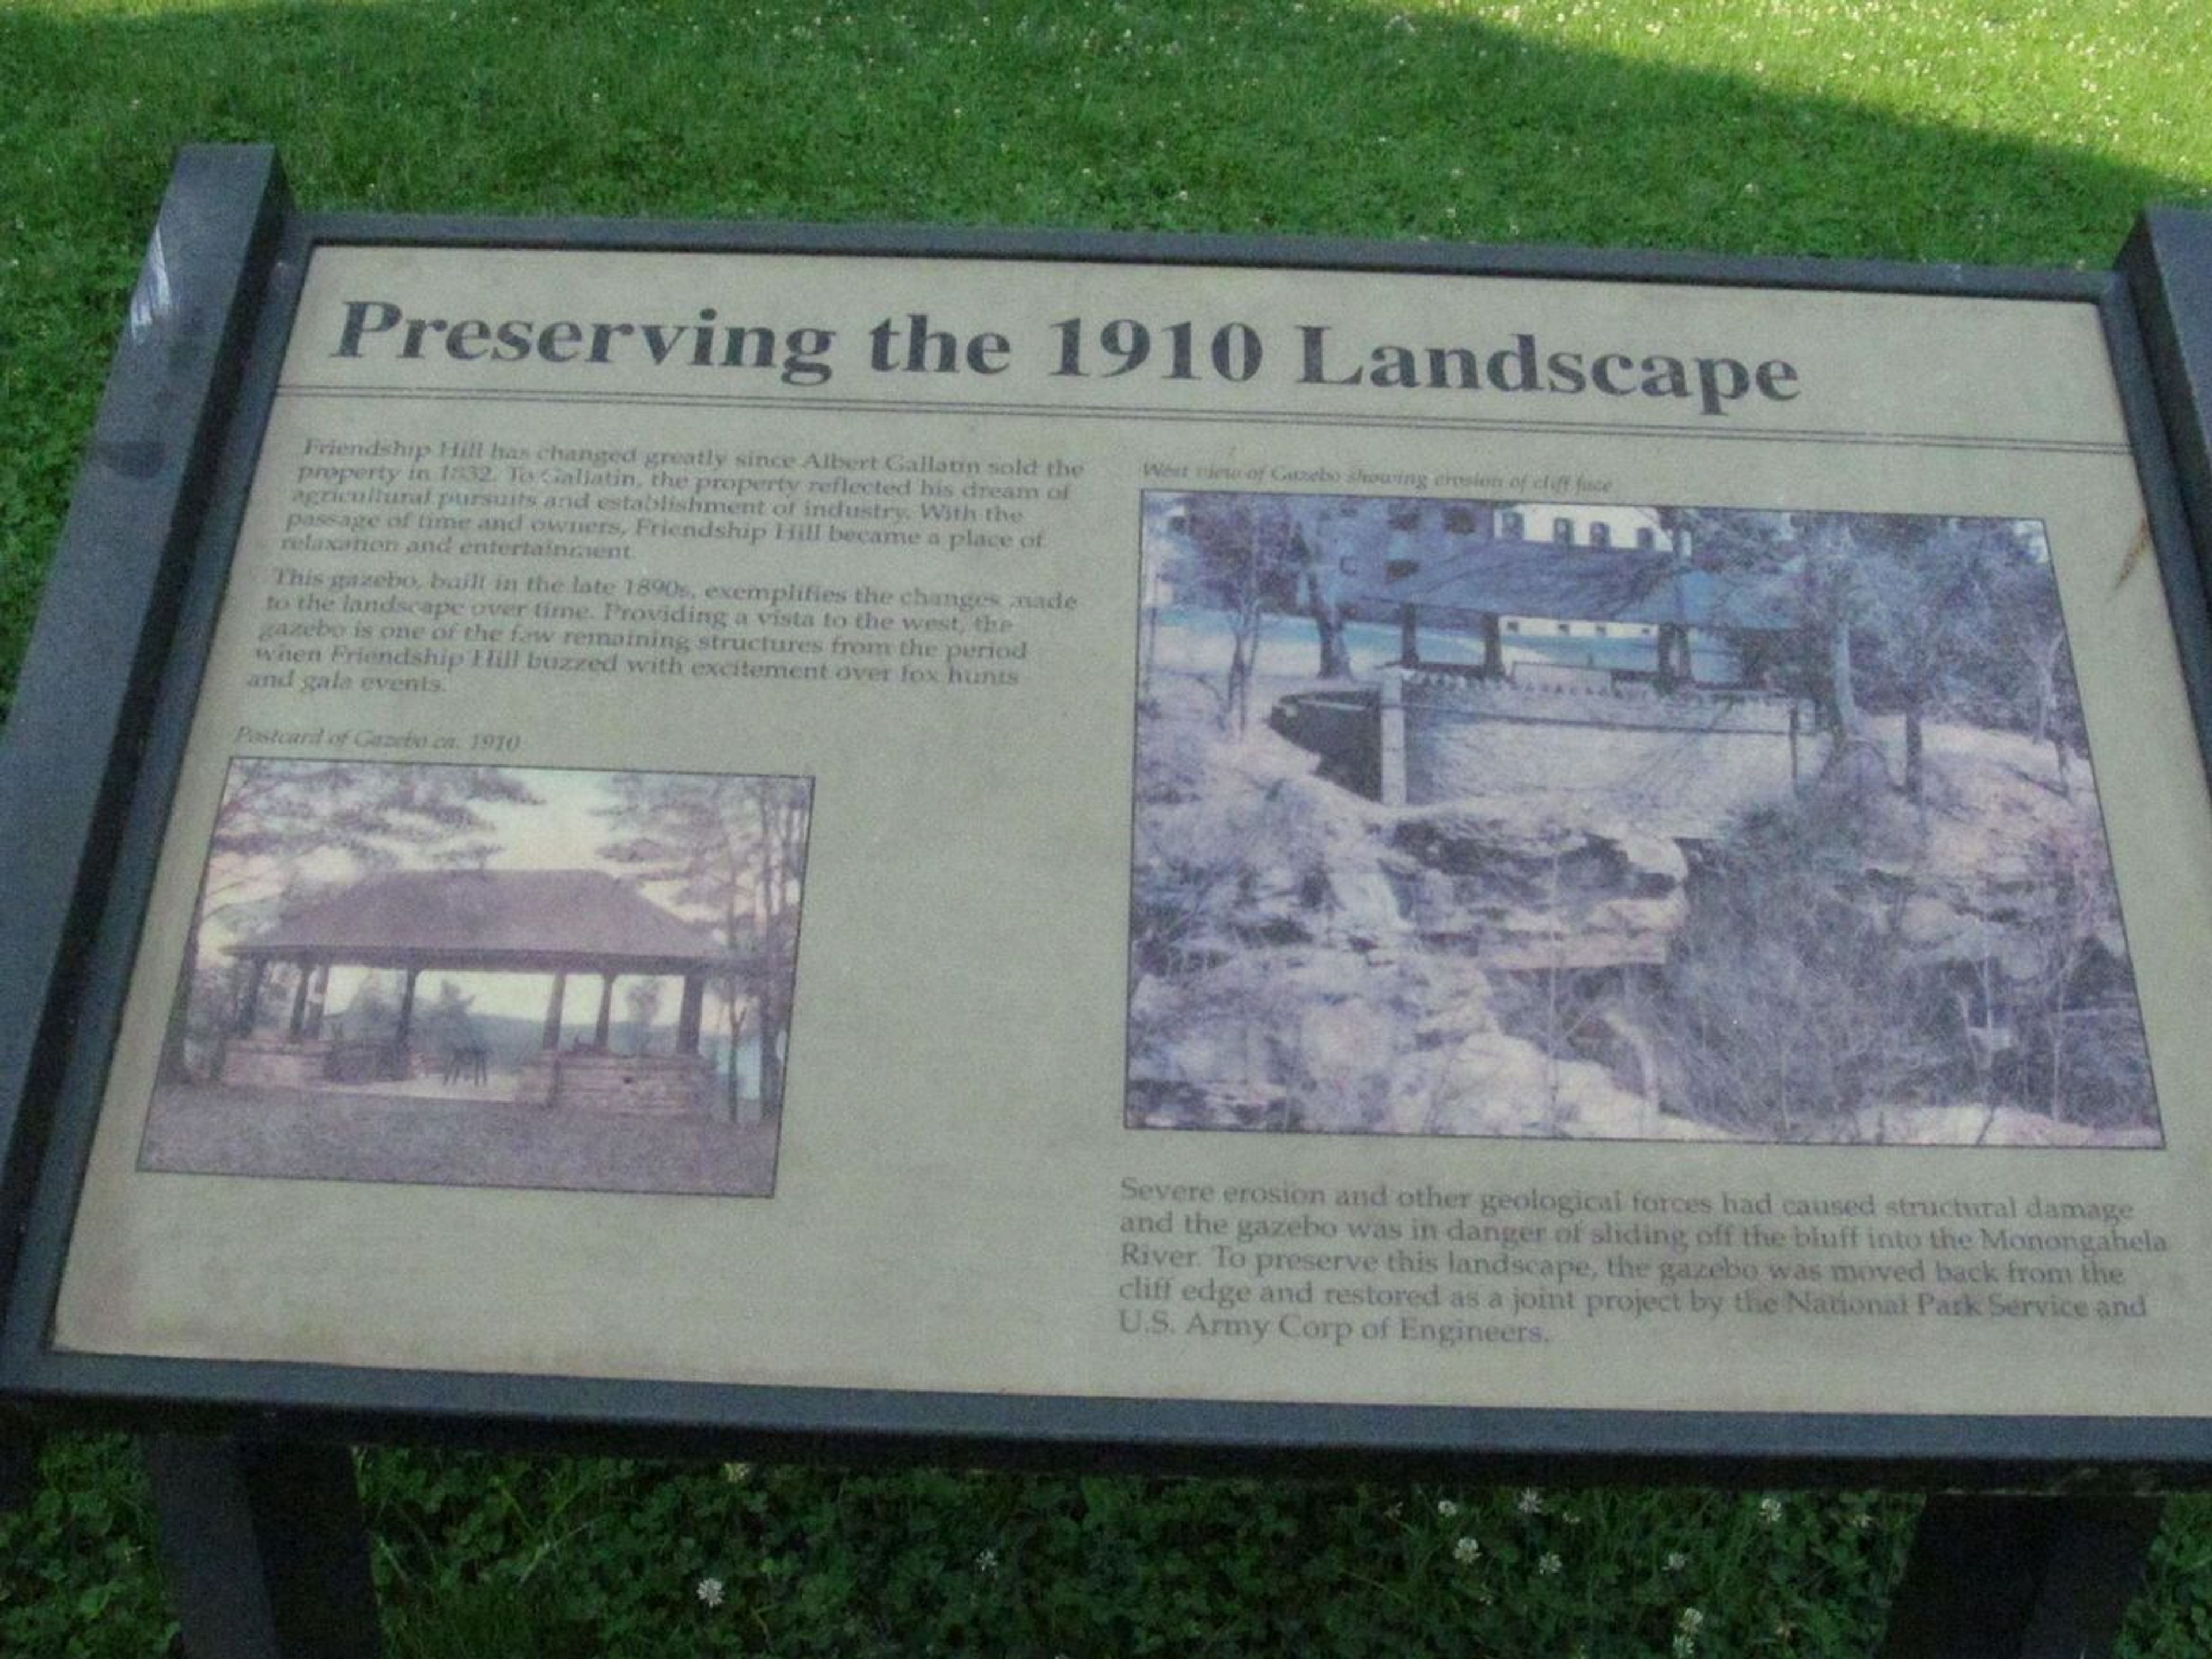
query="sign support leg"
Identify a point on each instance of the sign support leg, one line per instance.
(18, 1462)
(263, 1548)
(2004, 1578)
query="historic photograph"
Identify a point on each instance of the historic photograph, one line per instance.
(1533, 819)
(488, 976)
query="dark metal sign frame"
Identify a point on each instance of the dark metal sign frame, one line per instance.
(95, 741)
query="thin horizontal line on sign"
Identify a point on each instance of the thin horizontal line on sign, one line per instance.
(1333, 419)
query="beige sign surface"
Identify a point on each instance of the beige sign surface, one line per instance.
(1042, 828)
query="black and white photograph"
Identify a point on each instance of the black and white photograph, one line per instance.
(1492, 817)
(487, 976)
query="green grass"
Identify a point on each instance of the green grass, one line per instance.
(2006, 131)
(479, 1557)
(2001, 131)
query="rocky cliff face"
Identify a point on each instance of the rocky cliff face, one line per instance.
(1305, 959)
(1342, 976)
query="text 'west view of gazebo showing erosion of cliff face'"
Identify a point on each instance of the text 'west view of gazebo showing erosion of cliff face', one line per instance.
(488, 976)
(1534, 818)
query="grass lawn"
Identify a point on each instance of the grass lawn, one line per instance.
(1979, 131)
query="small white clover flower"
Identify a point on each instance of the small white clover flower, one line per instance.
(1549, 1565)
(710, 1591)
(987, 1560)
(1684, 1645)
(1691, 1621)
(737, 1474)
(1770, 1510)
(1446, 1508)
(1531, 1501)
(1466, 1550)
(1676, 1560)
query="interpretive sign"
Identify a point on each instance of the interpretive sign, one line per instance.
(890, 832)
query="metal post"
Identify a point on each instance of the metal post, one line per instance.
(263, 1549)
(2002, 1577)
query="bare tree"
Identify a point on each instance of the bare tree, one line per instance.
(1250, 556)
(2080, 1027)
(1787, 1008)
(731, 851)
(1230, 573)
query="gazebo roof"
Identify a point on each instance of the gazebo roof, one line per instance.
(1581, 584)
(536, 919)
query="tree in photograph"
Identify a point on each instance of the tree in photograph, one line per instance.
(1755, 565)
(2072, 994)
(1833, 592)
(1787, 1008)
(2042, 696)
(371, 1012)
(730, 852)
(279, 820)
(1323, 534)
(1916, 617)
(447, 1023)
(1927, 592)
(1253, 556)
(1227, 570)
(642, 1001)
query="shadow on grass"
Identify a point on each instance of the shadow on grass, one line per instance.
(1333, 118)
(1183, 115)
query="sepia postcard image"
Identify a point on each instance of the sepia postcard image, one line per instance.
(488, 976)
(1541, 819)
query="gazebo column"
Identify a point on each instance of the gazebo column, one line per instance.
(1409, 636)
(551, 1039)
(1493, 647)
(318, 992)
(607, 1010)
(249, 1001)
(299, 999)
(406, 1008)
(687, 1022)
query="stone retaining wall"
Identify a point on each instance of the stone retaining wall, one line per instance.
(275, 1062)
(660, 1085)
(1680, 763)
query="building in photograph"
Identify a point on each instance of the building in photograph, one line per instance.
(557, 924)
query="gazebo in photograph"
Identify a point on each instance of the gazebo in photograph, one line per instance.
(559, 923)
(1630, 613)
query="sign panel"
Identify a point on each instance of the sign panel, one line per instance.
(1028, 827)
